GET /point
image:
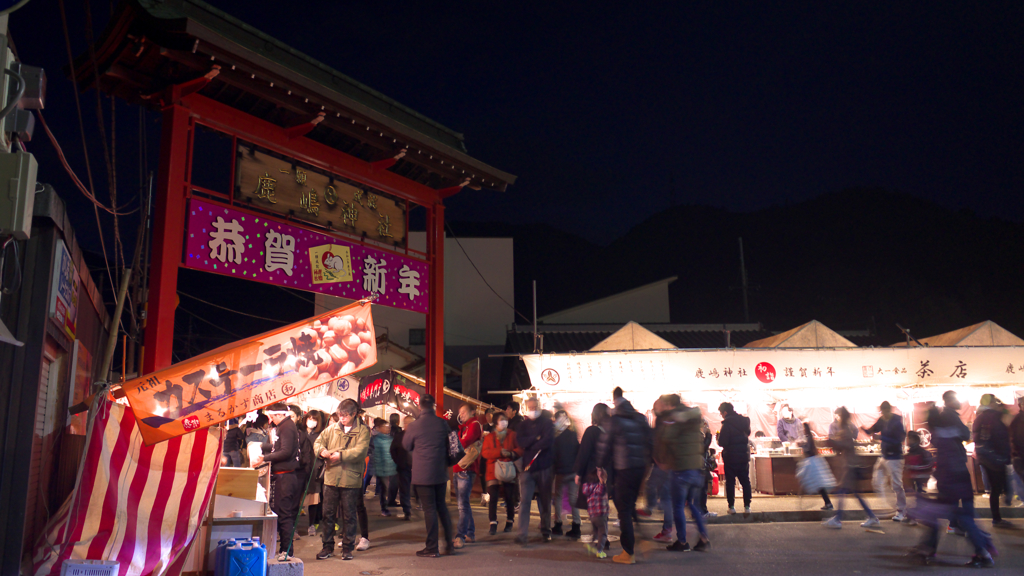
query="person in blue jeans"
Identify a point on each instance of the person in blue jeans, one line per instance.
(470, 432)
(659, 486)
(679, 451)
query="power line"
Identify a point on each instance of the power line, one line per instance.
(481, 274)
(205, 321)
(235, 311)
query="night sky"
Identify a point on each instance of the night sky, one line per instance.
(609, 114)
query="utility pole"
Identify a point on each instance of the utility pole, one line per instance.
(743, 277)
(534, 316)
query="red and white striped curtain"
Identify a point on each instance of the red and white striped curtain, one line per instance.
(136, 504)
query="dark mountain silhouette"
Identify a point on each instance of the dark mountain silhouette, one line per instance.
(857, 259)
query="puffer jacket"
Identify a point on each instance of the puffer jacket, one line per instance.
(734, 438)
(989, 431)
(678, 441)
(383, 464)
(627, 444)
(353, 446)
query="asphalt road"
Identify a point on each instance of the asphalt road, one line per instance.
(797, 548)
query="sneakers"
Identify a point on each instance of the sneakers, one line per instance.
(363, 546)
(827, 507)
(665, 537)
(900, 517)
(325, 554)
(593, 551)
(832, 522)
(643, 512)
(955, 531)
(459, 543)
(702, 546)
(385, 513)
(678, 546)
(311, 531)
(494, 529)
(981, 561)
(557, 529)
(508, 527)
(708, 515)
(624, 558)
(732, 510)
(746, 509)
(1003, 524)
(346, 555)
(870, 523)
(282, 557)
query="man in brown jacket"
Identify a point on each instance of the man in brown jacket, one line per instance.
(679, 449)
(343, 447)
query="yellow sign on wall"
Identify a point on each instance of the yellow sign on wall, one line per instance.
(330, 263)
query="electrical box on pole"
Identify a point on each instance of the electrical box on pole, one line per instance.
(17, 193)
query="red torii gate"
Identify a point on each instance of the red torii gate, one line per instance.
(193, 63)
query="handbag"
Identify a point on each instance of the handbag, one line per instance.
(472, 454)
(504, 471)
(814, 475)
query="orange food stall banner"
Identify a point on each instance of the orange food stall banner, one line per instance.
(249, 374)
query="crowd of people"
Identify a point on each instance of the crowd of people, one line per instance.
(323, 464)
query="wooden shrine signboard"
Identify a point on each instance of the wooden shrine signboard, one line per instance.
(285, 186)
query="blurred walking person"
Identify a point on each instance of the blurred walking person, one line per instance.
(427, 440)
(993, 451)
(593, 490)
(403, 465)
(536, 436)
(734, 439)
(956, 493)
(659, 485)
(383, 463)
(627, 453)
(566, 447)
(842, 437)
(813, 472)
(678, 450)
(501, 450)
(889, 469)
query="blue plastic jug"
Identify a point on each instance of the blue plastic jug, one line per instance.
(244, 558)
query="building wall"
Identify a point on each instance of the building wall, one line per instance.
(474, 315)
(645, 304)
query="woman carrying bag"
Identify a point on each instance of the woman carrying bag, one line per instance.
(501, 450)
(813, 472)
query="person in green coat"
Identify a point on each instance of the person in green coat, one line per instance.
(383, 465)
(343, 447)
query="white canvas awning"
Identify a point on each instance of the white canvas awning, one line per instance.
(986, 333)
(813, 334)
(633, 336)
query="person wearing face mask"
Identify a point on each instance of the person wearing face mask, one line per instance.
(536, 435)
(789, 426)
(565, 449)
(470, 433)
(343, 447)
(314, 426)
(500, 446)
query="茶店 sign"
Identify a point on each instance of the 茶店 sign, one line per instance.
(779, 369)
(288, 188)
(241, 244)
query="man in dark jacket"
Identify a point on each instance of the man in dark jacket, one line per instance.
(993, 451)
(626, 454)
(954, 482)
(734, 438)
(285, 487)
(1017, 446)
(514, 417)
(679, 450)
(233, 440)
(890, 428)
(427, 440)
(535, 435)
(404, 464)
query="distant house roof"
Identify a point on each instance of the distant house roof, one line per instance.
(569, 314)
(986, 333)
(583, 337)
(813, 334)
(150, 45)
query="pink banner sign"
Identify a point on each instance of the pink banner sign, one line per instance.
(235, 243)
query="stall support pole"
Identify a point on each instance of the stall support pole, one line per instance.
(435, 304)
(168, 235)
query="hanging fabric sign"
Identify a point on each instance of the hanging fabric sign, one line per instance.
(249, 374)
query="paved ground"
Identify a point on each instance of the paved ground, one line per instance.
(739, 549)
